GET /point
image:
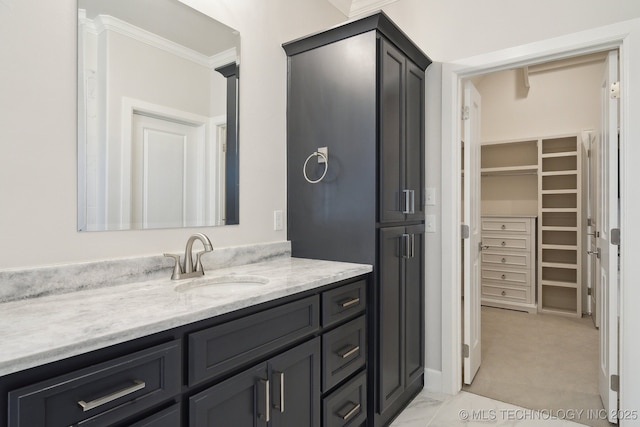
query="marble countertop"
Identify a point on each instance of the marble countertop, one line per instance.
(46, 329)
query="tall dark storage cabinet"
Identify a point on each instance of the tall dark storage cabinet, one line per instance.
(358, 90)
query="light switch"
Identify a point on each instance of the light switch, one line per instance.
(430, 196)
(430, 225)
(278, 220)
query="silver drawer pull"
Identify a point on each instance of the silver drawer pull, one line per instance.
(504, 293)
(266, 415)
(87, 406)
(345, 413)
(279, 376)
(350, 302)
(504, 260)
(346, 353)
(503, 276)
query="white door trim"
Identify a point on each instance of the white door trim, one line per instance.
(623, 36)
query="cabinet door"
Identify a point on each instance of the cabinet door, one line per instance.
(392, 133)
(414, 305)
(295, 386)
(390, 320)
(414, 141)
(240, 401)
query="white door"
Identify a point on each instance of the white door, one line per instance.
(608, 221)
(593, 264)
(472, 246)
(165, 174)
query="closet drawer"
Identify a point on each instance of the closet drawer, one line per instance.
(512, 242)
(343, 352)
(495, 291)
(514, 277)
(102, 394)
(343, 302)
(346, 406)
(511, 260)
(222, 348)
(507, 225)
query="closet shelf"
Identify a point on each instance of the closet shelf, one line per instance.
(559, 284)
(560, 265)
(554, 228)
(508, 170)
(560, 154)
(556, 310)
(567, 210)
(565, 191)
(559, 173)
(560, 247)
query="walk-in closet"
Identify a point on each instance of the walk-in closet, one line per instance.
(539, 132)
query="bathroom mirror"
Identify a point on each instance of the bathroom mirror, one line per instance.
(157, 116)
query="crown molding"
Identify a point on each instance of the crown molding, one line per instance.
(109, 23)
(353, 8)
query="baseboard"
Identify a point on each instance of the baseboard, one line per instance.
(433, 380)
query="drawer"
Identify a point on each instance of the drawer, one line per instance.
(347, 406)
(222, 348)
(343, 352)
(169, 417)
(495, 291)
(512, 260)
(343, 302)
(102, 394)
(507, 225)
(506, 242)
(515, 277)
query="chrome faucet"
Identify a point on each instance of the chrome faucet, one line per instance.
(186, 269)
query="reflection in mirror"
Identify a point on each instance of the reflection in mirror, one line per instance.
(157, 116)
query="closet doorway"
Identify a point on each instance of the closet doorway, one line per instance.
(539, 211)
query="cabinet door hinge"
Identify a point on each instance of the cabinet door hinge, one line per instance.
(615, 236)
(464, 230)
(615, 90)
(615, 383)
(465, 113)
(465, 350)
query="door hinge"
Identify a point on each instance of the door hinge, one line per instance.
(224, 147)
(465, 113)
(615, 90)
(589, 223)
(615, 383)
(615, 236)
(464, 230)
(589, 291)
(465, 350)
(589, 153)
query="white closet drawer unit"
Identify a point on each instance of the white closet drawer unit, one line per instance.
(507, 224)
(493, 291)
(508, 262)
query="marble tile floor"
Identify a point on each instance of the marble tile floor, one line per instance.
(467, 409)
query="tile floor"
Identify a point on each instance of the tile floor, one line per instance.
(467, 409)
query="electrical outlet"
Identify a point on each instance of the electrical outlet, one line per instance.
(278, 220)
(430, 196)
(430, 226)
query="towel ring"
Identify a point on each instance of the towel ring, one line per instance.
(326, 166)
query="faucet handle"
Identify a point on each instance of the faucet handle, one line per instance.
(177, 269)
(198, 266)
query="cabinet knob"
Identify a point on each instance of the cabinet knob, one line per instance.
(504, 260)
(504, 243)
(503, 276)
(504, 293)
(504, 227)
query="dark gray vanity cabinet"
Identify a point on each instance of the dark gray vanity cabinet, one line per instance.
(281, 392)
(358, 90)
(401, 319)
(297, 361)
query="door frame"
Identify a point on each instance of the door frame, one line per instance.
(619, 36)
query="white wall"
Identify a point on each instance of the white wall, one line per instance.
(38, 131)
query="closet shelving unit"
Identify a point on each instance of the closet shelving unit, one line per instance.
(559, 230)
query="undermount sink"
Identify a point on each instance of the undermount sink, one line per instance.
(222, 283)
